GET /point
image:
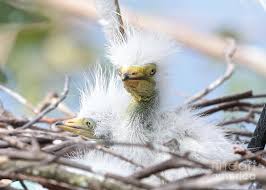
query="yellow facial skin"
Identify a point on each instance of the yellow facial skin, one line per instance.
(80, 126)
(139, 80)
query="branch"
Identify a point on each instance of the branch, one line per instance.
(238, 132)
(50, 107)
(249, 118)
(50, 98)
(213, 180)
(219, 100)
(18, 97)
(119, 18)
(56, 177)
(163, 166)
(230, 105)
(229, 52)
(246, 154)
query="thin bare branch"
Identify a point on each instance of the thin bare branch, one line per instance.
(50, 107)
(18, 97)
(120, 19)
(229, 52)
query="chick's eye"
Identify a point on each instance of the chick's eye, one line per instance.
(153, 71)
(88, 123)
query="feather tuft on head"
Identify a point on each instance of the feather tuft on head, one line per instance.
(103, 93)
(140, 48)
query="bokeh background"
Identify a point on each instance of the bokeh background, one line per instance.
(39, 46)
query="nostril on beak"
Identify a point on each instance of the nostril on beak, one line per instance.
(125, 77)
(59, 123)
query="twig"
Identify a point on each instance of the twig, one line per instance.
(229, 52)
(163, 166)
(246, 154)
(14, 142)
(230, 98)
(50, 107)
(230, 105)
(239, 132)
(18, 97)
(12, 154)
(119, 17)
(109, 151)
(249, 118)
(211, 181)
(50, 98)
(16, 122)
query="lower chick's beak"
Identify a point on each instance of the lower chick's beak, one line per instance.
(76, 126)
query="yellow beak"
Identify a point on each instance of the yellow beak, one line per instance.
(76, 126)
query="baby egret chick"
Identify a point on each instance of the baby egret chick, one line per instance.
(102, 105)
(139, 56)
(139, 59)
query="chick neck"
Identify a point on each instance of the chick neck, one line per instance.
(142, 112)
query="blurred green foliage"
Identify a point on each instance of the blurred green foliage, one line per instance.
(43, 51)
(9, 14)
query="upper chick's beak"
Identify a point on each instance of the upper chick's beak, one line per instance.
(76, 126)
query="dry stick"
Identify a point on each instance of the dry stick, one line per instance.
(230, 98)
(246, 154)
(109, 151)
(50, 98)
(163, 166)
(46, 158)
(211, 181)
(14, 142)
(246, 119)
(53, 148)
(244, 109)
(119, 18)
(17, 122)
(229, 52)
(48, 183)
(230, 105)
(18, 97)
(50, 107)
(239, 132)
(219, 100)
(249, 118)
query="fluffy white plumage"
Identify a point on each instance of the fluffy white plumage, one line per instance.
(103, 99)
(194, 134)
(140, 48)
(106, 102)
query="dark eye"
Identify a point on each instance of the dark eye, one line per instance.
(153, 71)
(88, 123)
(133, 73)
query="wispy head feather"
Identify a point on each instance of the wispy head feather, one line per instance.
(140, 47)
(103, 92)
